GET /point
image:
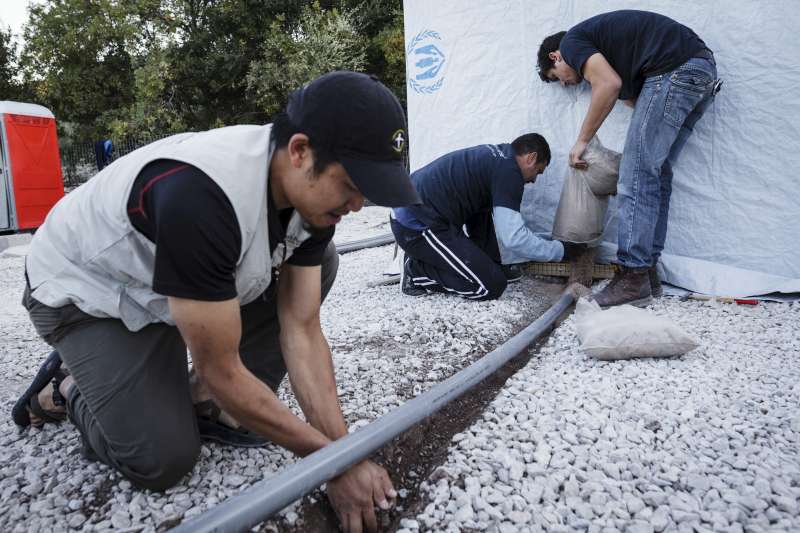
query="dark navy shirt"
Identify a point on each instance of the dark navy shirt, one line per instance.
(636, 44)
(464, 183)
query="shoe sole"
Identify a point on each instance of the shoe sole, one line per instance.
(414, 292)
(641, 302)
(19, 413)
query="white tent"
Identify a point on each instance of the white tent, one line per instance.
(472, 79)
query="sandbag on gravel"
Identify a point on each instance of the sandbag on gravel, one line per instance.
(627, 332)
(584, 197)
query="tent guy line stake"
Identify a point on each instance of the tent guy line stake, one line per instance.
(723, 299)
(266, 497)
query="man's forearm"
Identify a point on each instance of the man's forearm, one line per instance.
(603, 98)
(308, 360)
(212, 331)
(519, 241)
(255, 406)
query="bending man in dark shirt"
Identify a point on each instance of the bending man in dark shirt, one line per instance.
(218, 241)
(480, 189)
(667, 73)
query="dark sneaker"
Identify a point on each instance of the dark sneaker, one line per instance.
(513, 273)
(629, 286)
(212, 428)
(656, 289)
(407, 284)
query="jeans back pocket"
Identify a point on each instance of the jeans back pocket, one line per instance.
(687, 88)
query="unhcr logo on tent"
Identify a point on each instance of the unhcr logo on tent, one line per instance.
(425, 62)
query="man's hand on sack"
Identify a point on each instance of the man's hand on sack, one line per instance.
(575, 154)
(572, 250)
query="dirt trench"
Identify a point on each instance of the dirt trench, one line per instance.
(412, 457)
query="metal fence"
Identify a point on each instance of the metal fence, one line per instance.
(79, 162)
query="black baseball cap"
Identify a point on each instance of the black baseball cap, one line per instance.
(360, 121)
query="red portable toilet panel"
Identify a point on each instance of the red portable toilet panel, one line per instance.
(35, 167)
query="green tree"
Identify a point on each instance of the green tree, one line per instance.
(381, 24)
(152, 113)
(10, 85)
(318, 42)
(214, 43)
(388, 55)
(77, 55)
(149, 67)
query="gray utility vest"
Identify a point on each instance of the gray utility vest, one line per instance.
(88, 254)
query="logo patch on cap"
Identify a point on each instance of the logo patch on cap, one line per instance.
(398, 141)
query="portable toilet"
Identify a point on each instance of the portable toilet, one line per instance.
(31, 180)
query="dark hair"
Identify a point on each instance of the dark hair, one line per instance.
(550, 44)
(532, 142)
(283, 129)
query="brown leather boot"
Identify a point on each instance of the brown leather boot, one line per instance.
(629, 286)
(656, 290)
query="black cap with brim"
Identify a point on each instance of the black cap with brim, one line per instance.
(384, 183)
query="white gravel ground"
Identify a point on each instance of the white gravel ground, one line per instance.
(387, 348)
(369, 222)
(704, 442)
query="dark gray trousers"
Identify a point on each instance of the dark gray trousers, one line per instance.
(132, 402)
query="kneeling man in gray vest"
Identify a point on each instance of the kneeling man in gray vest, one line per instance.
(218, 241)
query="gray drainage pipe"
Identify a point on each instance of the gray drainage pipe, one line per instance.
(262, 500)
(360, 244)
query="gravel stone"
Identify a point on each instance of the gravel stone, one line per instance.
(787, 504)
(34, 489)
(120, 520)
(704, 442)
(633, 503)
(660, 519)
(639, 526)
(698, 482)
(76, 520)
(409, 524)
(464, 513)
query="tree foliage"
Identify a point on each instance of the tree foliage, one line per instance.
(10, 86)
(153, 111)
(320, 41)
(78, 57)
(150, 67)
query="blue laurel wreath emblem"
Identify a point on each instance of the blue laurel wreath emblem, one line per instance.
(425, 62)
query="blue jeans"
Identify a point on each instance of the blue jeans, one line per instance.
(666, 111)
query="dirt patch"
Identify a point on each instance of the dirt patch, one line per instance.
(100, 502)
(414, 455)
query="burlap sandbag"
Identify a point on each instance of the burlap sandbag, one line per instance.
(627, 332)
(584, 197)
